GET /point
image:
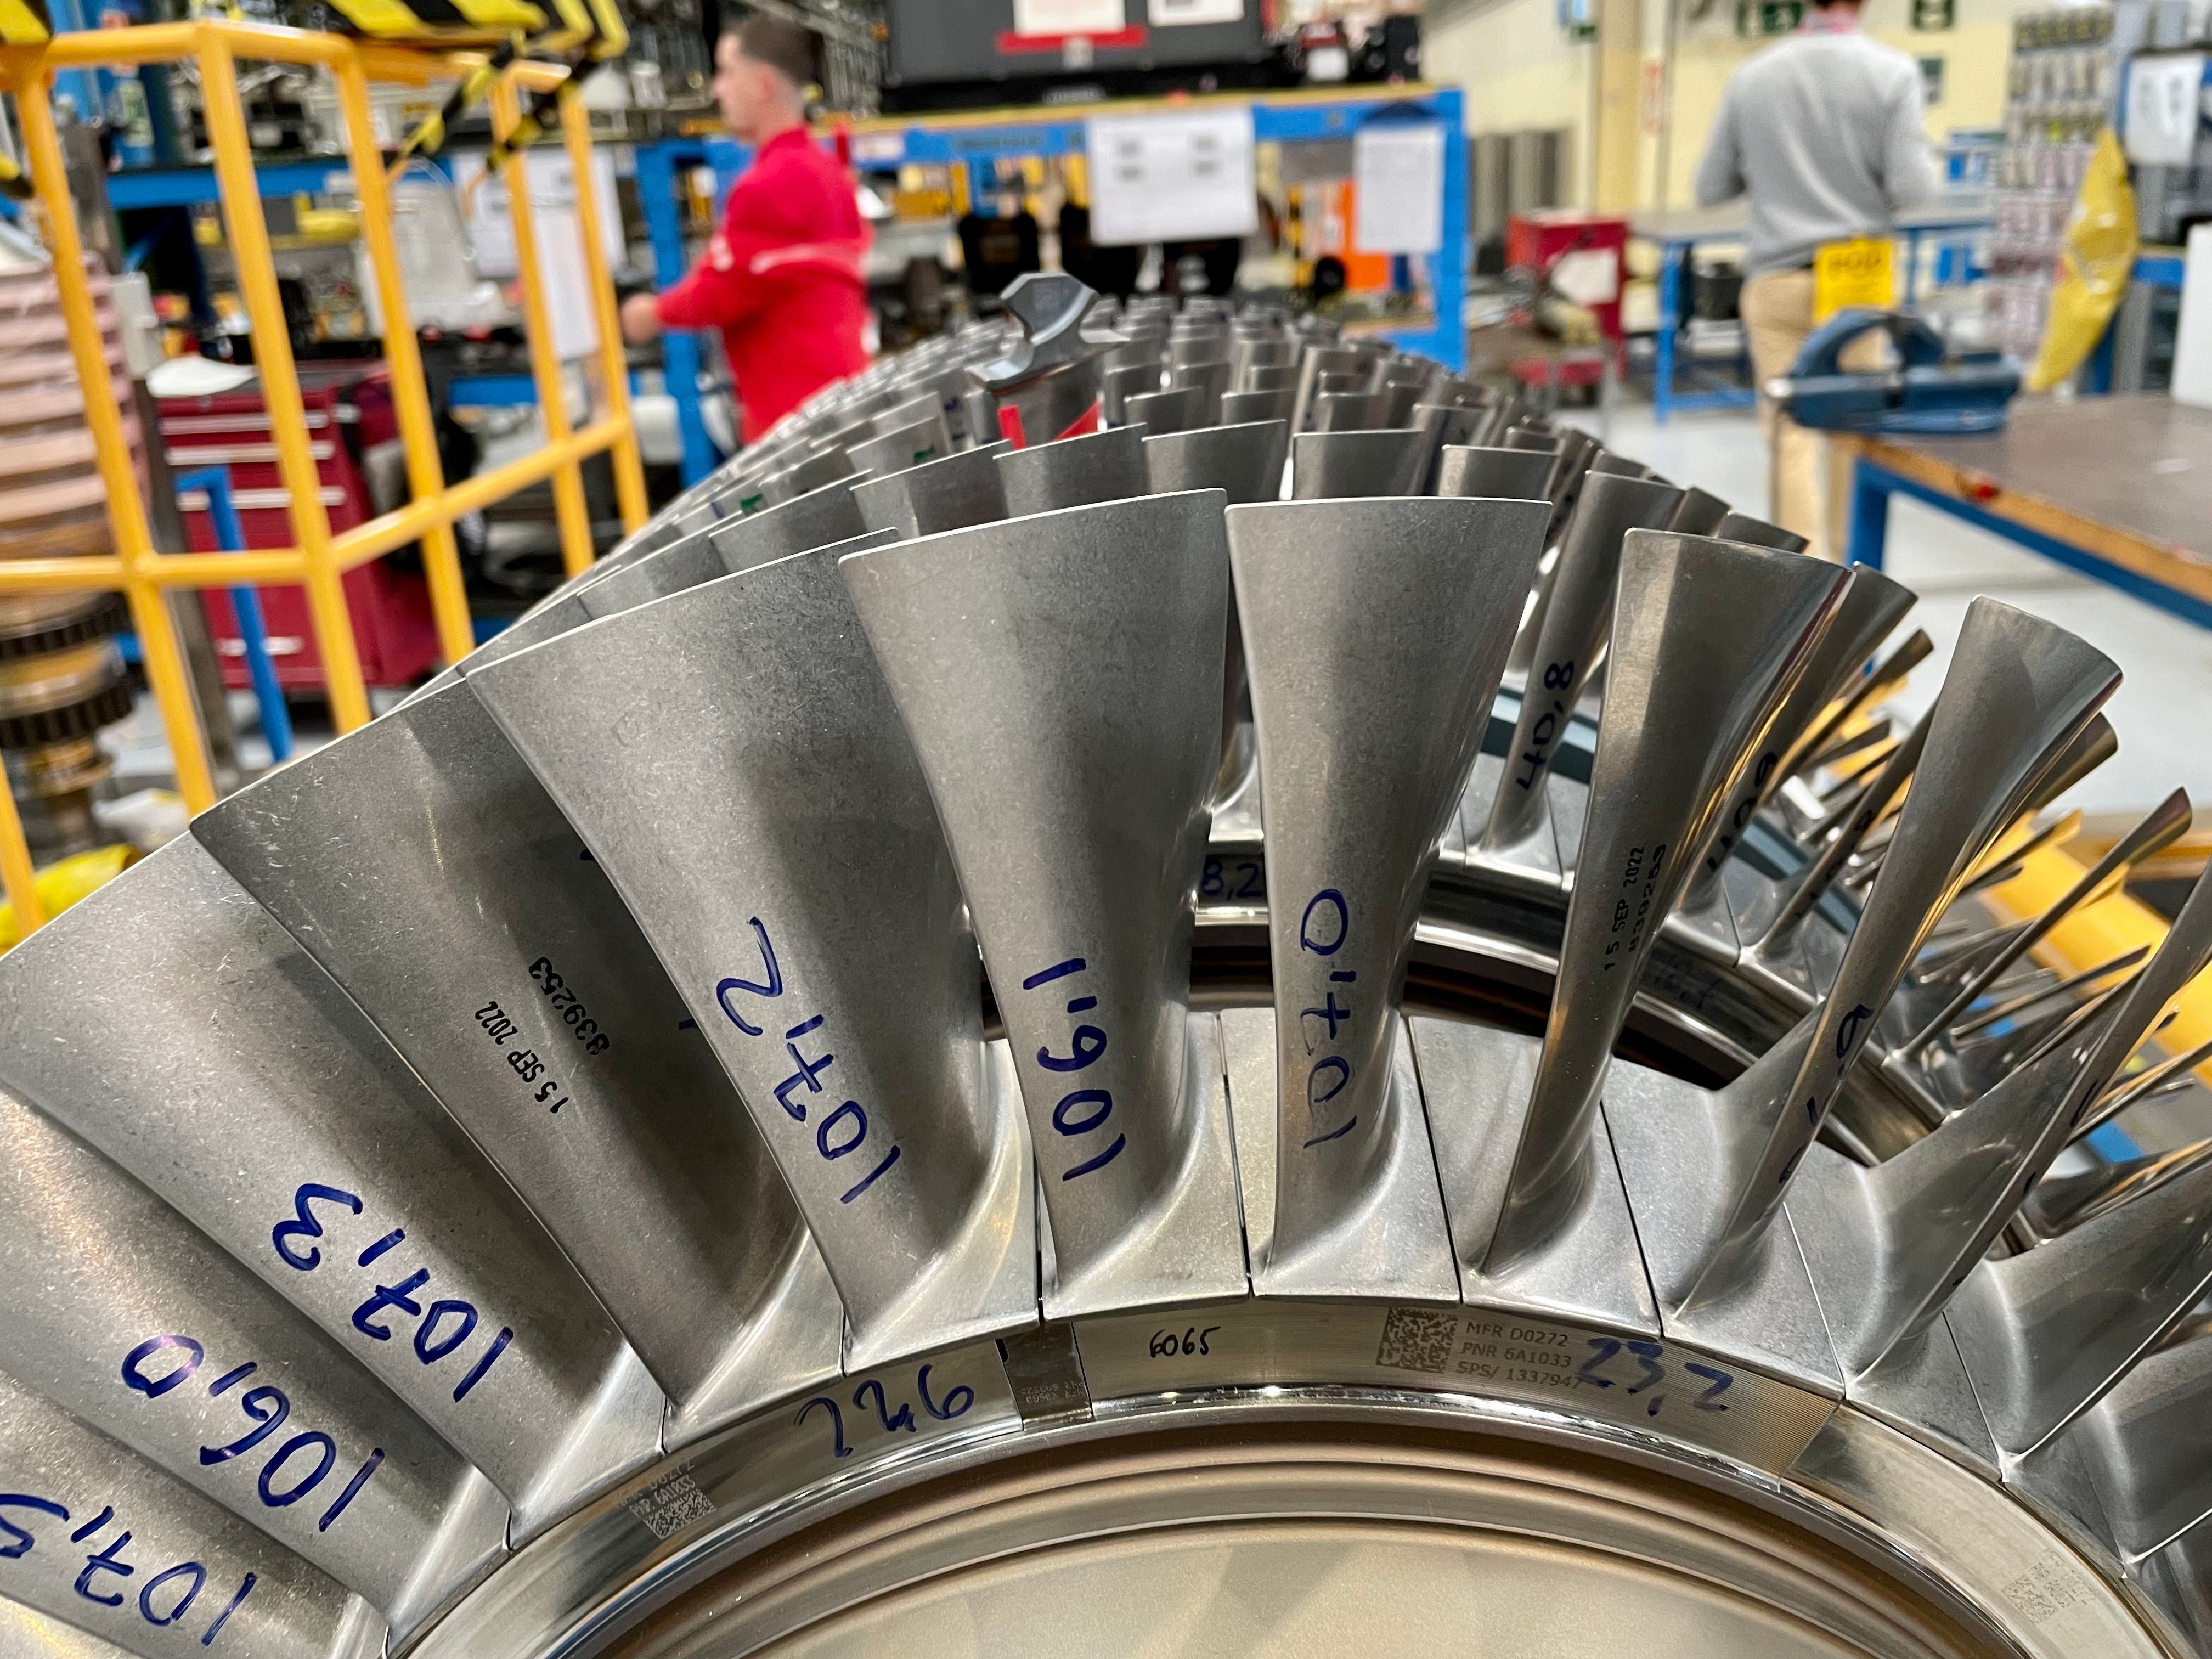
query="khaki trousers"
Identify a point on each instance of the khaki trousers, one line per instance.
(1778, 316)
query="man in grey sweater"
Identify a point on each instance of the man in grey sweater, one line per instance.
(1823, 133)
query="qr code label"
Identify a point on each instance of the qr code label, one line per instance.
(1417, 1341)
(2042, 1590)
(667, 1509)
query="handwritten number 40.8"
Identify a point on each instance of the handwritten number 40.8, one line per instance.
(871, 1394)
(1650, 1373)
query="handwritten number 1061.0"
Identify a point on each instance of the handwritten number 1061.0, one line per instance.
(871, 1394)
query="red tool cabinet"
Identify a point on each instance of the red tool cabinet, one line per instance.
(391, 607)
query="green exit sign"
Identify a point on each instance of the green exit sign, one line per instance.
(1758, 17)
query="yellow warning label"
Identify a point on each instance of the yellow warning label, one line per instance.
(1860, 272)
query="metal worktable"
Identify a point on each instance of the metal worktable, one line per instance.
(2117, 487)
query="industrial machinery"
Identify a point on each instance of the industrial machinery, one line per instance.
(966, 1047)
(61, 676)
(1928, 388)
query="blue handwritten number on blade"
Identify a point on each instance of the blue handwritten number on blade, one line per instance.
(1081, 1110)
(773, 988)
(1709, 1401)
(1321, 937)
(1606, 1348)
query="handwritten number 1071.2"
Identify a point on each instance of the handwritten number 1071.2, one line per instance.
(871, 1394)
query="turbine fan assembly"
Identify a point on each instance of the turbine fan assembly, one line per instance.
(1002, 1034)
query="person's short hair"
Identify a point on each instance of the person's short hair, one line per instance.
(782, 44)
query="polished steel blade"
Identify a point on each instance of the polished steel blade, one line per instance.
(443, 879)
(1101, 467)
(2158, 829)
(1328, 463)
(1742, 527)
(1709, 639)
(1575, 627)
(1375, 631)
(1519, 475)
(152, 1334)
(734, 762)
(948, 494)
(2017, 687)
(1061, 677)
(104, 1540)
(176, 1026)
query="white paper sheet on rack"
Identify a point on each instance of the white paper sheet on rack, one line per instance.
(1173, 177)
(1398, 175)
(553, 211)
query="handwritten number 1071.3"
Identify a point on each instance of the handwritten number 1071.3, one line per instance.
(871, 1394)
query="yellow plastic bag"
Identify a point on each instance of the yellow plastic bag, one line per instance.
(2097, 257)
(65, 881)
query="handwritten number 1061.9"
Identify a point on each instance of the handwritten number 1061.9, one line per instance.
(871, 1394)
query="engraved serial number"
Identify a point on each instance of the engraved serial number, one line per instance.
(581, 1024)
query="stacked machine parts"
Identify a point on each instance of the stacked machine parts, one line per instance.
(1079, 1041)
(61, 676)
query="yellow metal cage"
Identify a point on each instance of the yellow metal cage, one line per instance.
(318, 559)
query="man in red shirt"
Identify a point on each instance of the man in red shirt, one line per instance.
(781, 278)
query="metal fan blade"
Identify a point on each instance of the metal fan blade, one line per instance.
(2005, 860)
(2017, 687)
(2154, 1079)
(1100, 466)
(104, 1540)
(1703, 515)
(1709, 639)
(1376, 632)
(1797, 901)
(2091, 748)
(1318, 361)
(1757, 533)
(1261, 404)
(2131, 1469)
(896, 449)
(1088, 645)
(736, 764)
(1518, 475)
(1244, 462)
(2045, 1333)
(1178, 410)
(1873, 606)
(1340, 463)
(178, 1028)
(814, 520)
(158, 1345)
(950, 493)
(1883, 678)
(1209, 378)
(1575, 628)
(444, 879)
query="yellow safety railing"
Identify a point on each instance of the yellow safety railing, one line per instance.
(318, 559)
